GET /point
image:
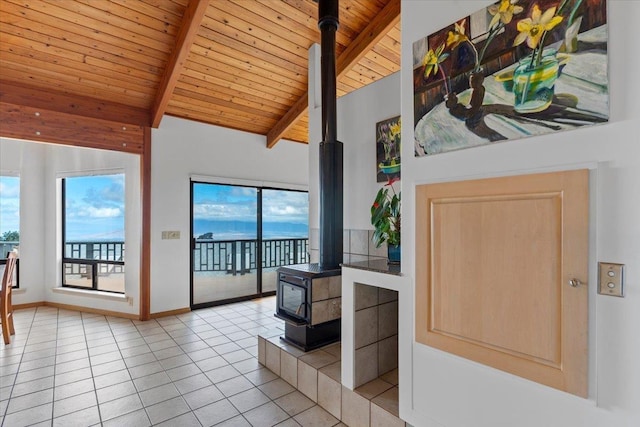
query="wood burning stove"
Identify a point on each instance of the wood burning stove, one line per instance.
(309, 294)
(309, 301)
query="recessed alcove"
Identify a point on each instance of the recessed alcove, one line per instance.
(376, 332)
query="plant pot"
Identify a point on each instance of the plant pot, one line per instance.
(393, 254)
(534, 86)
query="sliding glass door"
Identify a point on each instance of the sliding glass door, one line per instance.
(224, 242)
(240, 235)
(285, 232)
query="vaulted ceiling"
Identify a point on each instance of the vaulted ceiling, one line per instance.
(241, 64)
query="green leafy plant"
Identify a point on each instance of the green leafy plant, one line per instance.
(385, 215)
(10, 236)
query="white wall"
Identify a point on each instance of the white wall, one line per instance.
(182, 149)
(27, 160)
(40, 166)
(454, 392)
(357, 115)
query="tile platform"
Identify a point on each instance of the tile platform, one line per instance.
(316, 375)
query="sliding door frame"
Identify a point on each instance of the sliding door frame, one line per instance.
(259, 238)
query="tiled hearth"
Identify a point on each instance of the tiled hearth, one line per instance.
(317, 375)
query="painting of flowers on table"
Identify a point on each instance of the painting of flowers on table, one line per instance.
(388, 149)
(514, 69)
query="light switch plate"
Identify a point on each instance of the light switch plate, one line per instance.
(611, 279)
(170, 235)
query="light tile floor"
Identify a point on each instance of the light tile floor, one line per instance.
(67, 368)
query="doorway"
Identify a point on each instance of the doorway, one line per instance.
(240, 235)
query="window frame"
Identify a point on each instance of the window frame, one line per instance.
(3, 257)
(94, 263)
(260, 187)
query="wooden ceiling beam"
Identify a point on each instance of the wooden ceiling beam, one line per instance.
(384, 21)
(51, 100)
(388, 17)
(191, 21)
(288, 120)
(42, 125)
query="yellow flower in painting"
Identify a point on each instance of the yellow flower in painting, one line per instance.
(457, 36)
(532, 29)
(504, 12)
(394, 129)
(432, 59)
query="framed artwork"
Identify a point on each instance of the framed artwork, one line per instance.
(515, 69)
(388, 149)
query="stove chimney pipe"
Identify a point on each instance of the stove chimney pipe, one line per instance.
(331, 150)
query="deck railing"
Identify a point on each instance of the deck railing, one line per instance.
(240, 256)
(228, 256)
(78, 254)
(7, 246)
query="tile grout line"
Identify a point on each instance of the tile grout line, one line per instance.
(93, 378)
(18, 370)
(253, 315)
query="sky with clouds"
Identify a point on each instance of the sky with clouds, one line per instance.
(233, 203)
(94, 207)
(9, 204)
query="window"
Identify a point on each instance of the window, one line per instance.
(93, 232)
(240, 236)
(9, 220)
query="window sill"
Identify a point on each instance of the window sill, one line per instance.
(93, 294)
(18, 291)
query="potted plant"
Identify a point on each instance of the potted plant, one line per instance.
(385, 217)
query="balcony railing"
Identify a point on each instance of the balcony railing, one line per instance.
(240, 256)
(90, 259)
(7, 246)
(94, 265)
(77, 253)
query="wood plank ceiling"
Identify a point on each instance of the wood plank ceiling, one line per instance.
(241, 64)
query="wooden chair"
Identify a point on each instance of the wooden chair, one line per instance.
(6, 309)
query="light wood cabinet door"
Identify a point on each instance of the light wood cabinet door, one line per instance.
(494, 258)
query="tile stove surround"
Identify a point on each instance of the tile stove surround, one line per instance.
(326, 376)
(380, 292)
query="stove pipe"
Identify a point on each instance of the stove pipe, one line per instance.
(331, 150)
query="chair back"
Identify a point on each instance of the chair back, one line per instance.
(7, 277)
(6, 307)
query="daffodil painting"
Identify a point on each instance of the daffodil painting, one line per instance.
(388, 149)
(514, 69)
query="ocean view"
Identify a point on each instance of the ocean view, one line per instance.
(237, 230)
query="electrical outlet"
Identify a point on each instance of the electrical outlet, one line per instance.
(611, 279)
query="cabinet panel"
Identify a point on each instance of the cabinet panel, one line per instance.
(493, 261)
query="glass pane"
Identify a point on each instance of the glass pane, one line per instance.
(293, 300)
(225, 231)
(285, 232)
(110, 277)
(94, 226)
(9, 214)
(3, 266)
(78, 275)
